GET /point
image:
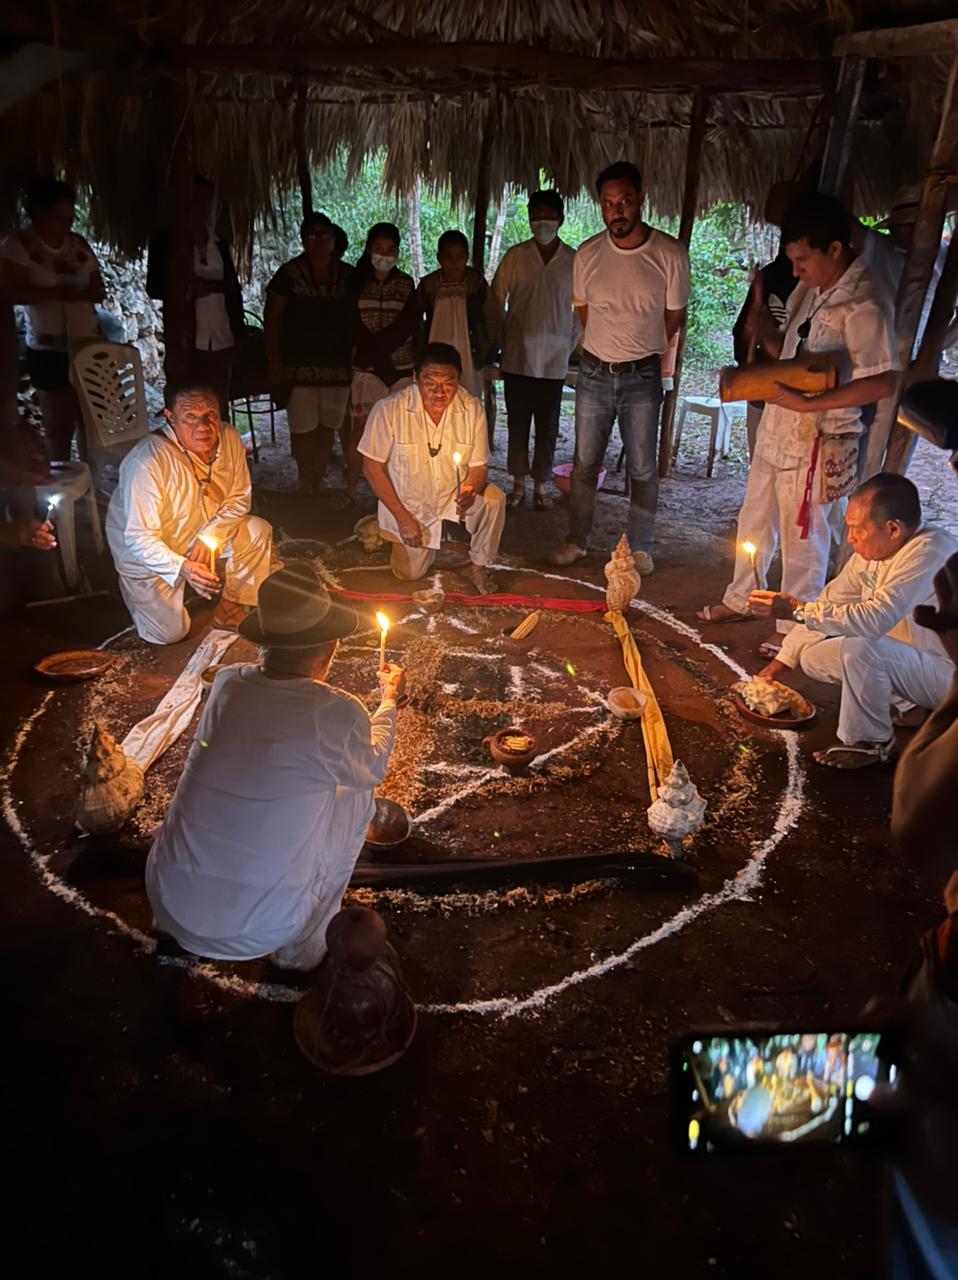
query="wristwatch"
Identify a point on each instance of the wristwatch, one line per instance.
(798, 614)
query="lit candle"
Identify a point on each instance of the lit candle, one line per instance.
(384, 627)
(52, 505)
(457, 459)
(751, 550)
(213, 546)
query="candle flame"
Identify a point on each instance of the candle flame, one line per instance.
(457, 458)
(749, 548)
(53, 501)
(383, 621)
(209, 541)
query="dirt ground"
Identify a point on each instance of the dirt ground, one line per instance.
(163, 1127)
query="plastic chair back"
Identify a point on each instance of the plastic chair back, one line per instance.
(108, 377)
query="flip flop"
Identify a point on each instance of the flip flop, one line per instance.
(770, 649)
(541, 501)
(516, 498)
(871, 753)
(705, 615)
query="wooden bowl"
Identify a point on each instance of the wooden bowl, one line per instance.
(391, 825)
(511, 759)
(72, 665)
(626, 703)
(518, 646)
(797, 717)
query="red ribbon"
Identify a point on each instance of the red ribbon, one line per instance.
(558, 603)
(805, 510)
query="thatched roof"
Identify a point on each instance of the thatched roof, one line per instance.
(575, 83)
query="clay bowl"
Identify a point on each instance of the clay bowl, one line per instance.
(518, 646)
(391, 825)
(429, 601)
(73, 665)
(209, 674)
(626, 703)
(511, 760)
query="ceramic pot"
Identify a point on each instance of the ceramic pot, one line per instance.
(512, 760)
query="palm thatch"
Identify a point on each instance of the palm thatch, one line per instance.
(111, 126)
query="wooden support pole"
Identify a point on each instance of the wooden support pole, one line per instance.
(939, 318)
(920, 263)
(482, 186)
(179, 319)
(693, 167)
(302, 156)
(842, 125)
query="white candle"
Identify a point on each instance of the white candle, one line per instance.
(52, 505)
(751, 550)
(457, 459)
(213, 546)
(384, 627)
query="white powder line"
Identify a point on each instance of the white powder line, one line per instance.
(517, 684)
(479, 655)
(462, 626)
(431, 625)
(105, 644)
(454, 770)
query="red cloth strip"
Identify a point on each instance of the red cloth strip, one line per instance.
(510, 602)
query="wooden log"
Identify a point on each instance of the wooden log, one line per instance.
(939, 318)
(924, 40)
(815, 371)
(179, 317)
(920, 262)
(693, 166)
(302, 155)
(842, 124)
(482, 186)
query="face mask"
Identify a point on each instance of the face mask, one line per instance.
(545, 232)
(381, 262)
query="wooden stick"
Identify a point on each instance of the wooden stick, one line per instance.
(302, 156)
(179, 318)
(482, 187)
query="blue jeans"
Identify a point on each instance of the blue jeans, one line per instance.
(634, 399)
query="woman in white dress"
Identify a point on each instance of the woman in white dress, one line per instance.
(454, 301)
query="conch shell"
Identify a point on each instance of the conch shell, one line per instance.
(622, 577)
(111, 785)
(680, 810)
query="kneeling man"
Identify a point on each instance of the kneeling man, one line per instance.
(186, 482)
(411, 443)
(860, 630)
(270, 814)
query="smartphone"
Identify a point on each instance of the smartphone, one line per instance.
(768, 1087)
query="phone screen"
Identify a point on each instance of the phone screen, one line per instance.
(780, 1088)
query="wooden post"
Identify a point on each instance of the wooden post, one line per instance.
(700, 106)
(179, 319)
(839, 140)
(939, 318)
(302, 156)
(482, 186)
(920, 262)
(415, 230)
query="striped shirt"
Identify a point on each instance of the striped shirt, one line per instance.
(380, 304)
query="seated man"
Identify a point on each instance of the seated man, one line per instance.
(410, 445)
(270, 814)
(181, 484)
(860, 630)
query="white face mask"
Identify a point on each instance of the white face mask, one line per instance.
(383, 263)
(545, 232)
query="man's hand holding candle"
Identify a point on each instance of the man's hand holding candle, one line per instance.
(772, 604)
(392, 681)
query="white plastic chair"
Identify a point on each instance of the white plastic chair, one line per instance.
(108, 377)
(72, 481)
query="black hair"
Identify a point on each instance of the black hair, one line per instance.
(449, 238)
(817, 218)
(316, 219)
(341, 242)
(173, 390)
(893, 497)
(549, 199)
(621, 171)
(439, 353)
(385, 230)
(43, 193)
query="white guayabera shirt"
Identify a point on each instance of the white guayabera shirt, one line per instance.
(539, 329)
(399, 432)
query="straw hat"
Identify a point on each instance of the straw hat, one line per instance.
(294, 611)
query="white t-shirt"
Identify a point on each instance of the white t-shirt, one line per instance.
(628, 292)
(50, 324)
(530, 305)
(398, 433)
(213, 329)
(269, 814)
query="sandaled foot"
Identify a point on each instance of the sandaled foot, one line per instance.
(517, 497)
(771, 647)
(541, 500)
(721, 613)
(913, 718)
(859, 755)
(568, 554)
(482, 580)
(228, 615)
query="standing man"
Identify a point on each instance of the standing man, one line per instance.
(631, 288)
(531, 317)
(426, 451)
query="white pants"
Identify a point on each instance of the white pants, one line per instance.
(769, 515)
(873, 675)
(157, 608)
(312, 407)
(485, 520)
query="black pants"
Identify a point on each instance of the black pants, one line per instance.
(528, 398)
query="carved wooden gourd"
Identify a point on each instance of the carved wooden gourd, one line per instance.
(622, 577)
(111, 785)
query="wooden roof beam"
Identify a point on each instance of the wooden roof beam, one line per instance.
(924, 40)
(730, 75)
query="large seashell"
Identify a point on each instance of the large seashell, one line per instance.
(111, 785)
(622, 577)
(680, 810)
(367, 533)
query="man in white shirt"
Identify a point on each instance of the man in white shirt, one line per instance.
(836, 308)
(269, 816)
(182, 507)
(631, 288)
(860, 631)
(531, 317)
(426, 450)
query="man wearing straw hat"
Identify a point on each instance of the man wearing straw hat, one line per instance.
(269, 816)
